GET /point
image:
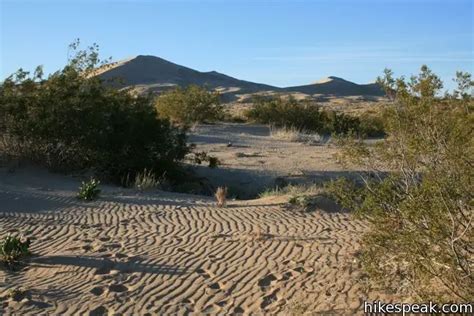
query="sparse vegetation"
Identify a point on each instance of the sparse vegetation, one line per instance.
(292, 190)
(297, 119)
(17, 294)
(200, 157)
(292, 134)
(417, 193)
(89, 190)
(190, 105)
(221, 196)
(13, 248)
(147, 180)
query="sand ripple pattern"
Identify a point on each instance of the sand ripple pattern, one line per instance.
(176, 254)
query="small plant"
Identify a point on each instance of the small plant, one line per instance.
(293, 134)
(200, 157)
(17, 294)
(213, 162)
(89, 191)
(13, 248)
(147, 180)
(221, 196)
(300, 200)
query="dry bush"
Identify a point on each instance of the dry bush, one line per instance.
(293, 134)
(147, 180)
(221, 196)
(417, 192)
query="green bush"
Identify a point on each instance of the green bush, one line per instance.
(286, 112)
(305, 116)
(72, 121)
(89, 191)
(13, 248)
(418, 193)
(186, 106)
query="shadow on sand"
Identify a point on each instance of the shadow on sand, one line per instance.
(105, 265)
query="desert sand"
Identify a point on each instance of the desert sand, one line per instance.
(165, 253)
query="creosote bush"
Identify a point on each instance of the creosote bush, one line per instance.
(190, 105)
(73, 121)
(305, 117)
(417, 194)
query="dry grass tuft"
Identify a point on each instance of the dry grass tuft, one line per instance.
(293, 134)
(221, 196)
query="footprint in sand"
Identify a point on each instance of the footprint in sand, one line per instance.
(105, 268)
(287, 275)
(97, 291)
(184, 251)
(203, 273)
(266, 281)
(214, 258)
(119, 288)
(87, 247)
(269, 299)
(215, 286)
(238, 310)
(101, 310)
(221, 303)
(119, 255)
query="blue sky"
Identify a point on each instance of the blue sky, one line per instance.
(282, 43)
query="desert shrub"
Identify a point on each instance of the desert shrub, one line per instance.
(340, 123)
(89, 190)
(287, 113)
(371, 125)
(293, 134)
(417, 194)
(146, 180)
(300, 118)
(186, 106)
(214, 162)
(202, 156)
(13, 248)
(73, 121)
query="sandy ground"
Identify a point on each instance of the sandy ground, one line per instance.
(176, 254)
(164, 253)
(255, 159)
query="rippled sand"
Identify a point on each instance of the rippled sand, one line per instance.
(164, 253)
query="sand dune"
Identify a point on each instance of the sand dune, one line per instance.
(164, 253)
(155, 74)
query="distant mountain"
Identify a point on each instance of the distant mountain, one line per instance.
(338, 87)
(154, 74)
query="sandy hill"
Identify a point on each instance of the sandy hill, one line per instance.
(338, 87)
(154, 74)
